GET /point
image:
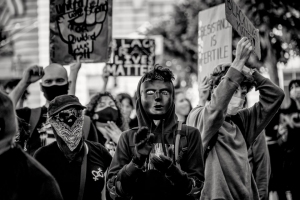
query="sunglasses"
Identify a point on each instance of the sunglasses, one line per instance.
(66, 114)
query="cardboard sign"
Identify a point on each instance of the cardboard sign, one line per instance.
(80, 28)
(132, 57)
(242, 25)
(214, 40)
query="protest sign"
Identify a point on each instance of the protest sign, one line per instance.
(214, 40)
(80, 29)
(242, 25)
(132, 57)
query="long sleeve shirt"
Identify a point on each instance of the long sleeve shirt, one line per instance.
(228, 174)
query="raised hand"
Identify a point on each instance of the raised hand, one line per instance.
(243, 51)
(33, 74)
(113, 131)
(143, 142)
(76, 66)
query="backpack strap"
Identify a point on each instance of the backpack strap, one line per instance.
(35, 116)
(86, 126)
(180, 143)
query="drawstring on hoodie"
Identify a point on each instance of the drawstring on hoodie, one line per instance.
(162, 138)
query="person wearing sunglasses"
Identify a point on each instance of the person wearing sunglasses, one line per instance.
(77, 164)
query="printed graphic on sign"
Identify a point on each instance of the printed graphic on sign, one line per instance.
(132, 57)
(214, 40)
(243, 25)
(80, 28)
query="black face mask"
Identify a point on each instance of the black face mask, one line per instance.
(53, 91)
(107, 114)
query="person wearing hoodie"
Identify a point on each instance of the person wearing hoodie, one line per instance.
(144, 166)
(227, 130)
(22, 177)
(258, 154)
(54, 83)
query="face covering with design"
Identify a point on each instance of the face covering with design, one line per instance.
(53, 91)
(70, 133)
(235, 105)
(105, 115)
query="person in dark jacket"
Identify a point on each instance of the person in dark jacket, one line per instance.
(144, 166)
(228, 174)
(22, 177)
(77, 164)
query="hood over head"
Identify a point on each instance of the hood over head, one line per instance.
(168, 124)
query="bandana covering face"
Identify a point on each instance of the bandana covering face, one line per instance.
(70, 134)
(235, 105)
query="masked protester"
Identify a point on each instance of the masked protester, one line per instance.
(54, 83)
(228, 131)
(78, 165)
(105, 112)
(22, 177)
(144, 165)
(258, 153)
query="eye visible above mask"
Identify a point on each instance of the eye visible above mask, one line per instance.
(235, 105)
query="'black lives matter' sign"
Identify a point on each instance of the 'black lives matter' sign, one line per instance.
(132, 57)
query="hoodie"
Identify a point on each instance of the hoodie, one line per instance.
(127, 181)
(228, 173)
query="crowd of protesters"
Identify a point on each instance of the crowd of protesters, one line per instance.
(155, 146)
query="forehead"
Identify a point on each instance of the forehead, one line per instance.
(55, 71)
(155, 85)
(105, 99)
(294, 85)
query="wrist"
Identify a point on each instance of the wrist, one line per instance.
(24, 83)
(238, 64)
(138, 161)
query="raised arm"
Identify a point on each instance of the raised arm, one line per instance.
(257, 117)
(209, 119)
(30, 75)
(74, 70)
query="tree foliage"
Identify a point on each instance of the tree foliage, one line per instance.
(278, 22)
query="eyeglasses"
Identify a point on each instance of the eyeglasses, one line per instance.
(66, 114)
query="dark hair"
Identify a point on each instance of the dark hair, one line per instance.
(294, 82)
(159, 73)
(216, 78)
(120, 97)
(90, 107)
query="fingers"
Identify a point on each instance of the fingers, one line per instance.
(109, 131)
(151, 138)
(36, 71)
(140, 135)
(112, 125)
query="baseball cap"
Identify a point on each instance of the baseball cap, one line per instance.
(62, 102)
